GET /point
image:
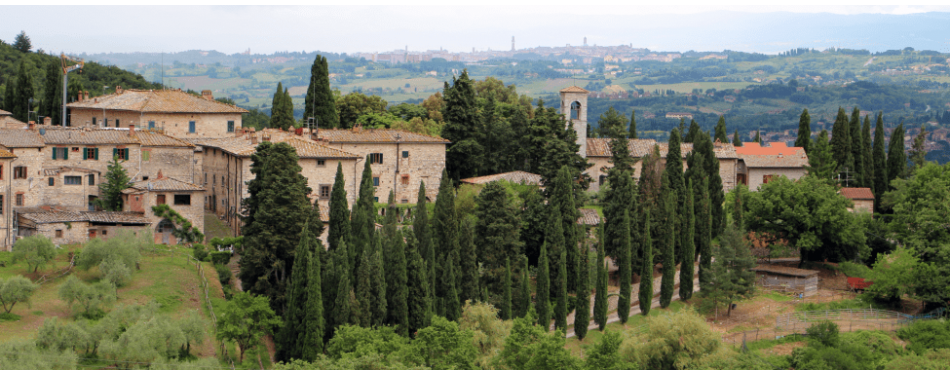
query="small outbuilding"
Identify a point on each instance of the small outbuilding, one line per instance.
(787, 279)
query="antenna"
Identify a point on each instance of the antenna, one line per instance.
(163, 70)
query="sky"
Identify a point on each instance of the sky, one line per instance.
(427, 25)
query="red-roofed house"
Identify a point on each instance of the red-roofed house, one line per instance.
(760, 164)
(862, 198)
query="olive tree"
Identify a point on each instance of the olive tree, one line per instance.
(36, 251)
(15, 289)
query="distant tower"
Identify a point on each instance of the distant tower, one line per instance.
(512, 44)
(574, 109)
(585, 41)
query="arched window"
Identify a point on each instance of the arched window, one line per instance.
(575, 111)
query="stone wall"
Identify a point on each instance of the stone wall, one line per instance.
(6, 206)
(178, 162)
(74, 232)
(424, 163)
(207, 125)
(31, 187)
(324, 175)
(224, 177)
(70, 197)
(863, 206)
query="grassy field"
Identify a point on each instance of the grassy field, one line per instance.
(630, 330)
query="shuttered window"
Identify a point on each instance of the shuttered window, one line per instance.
(121, 153)
(90, 153)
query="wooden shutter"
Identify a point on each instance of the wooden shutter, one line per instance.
(54, 152)
(85, 152)
(126, 154)
(65, 153)
(97, 153)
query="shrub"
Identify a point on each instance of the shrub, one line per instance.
(926, 334)
(224, 274)
(115, 272)
(199, 252)
(680, 340)
(88, 297)
(825, 333)
(36, 250)
(220, 257)
(854, 270)
(15, 289)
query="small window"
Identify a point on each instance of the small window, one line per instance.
(376, 199)
(19, 172)
(160, 199)
(325, 191)
(603, 179)
(182, 199)
(1, 204)
(375, 181)
(404, 201)
(91, 153)
(376, 158)
(60, 153)
(191, 127)
(92, 180)
(19, 200)
(105, 232)
(52, 181)
(230, 127)
(116, 125)
(151, 124)
(72, 180)
(405, 179)
(405, 154)
(59, 233)
(75, 149)
(121, 153)
(766, 179)
(321, 163)
(206, 178)
(94, 121)
(144, 178)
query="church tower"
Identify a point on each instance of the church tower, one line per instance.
(574, 109)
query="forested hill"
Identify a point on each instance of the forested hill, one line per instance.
(38, 65)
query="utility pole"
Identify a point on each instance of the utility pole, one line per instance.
(66, 70)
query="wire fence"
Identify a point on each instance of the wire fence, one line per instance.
(214, 319)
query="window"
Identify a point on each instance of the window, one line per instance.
(61, 153)
(405, 179)
(321, 163)
(52, 181)
(151, 124)
(376, 158)
(160, 199)
(105, 122)
(105, 232)
(121, 153)
(144, 178)
(19, 172)
(94, 121)
(90, 153)
(92, 180)
(222, 181)
(116, 125)
(19, 199)
(191, 126)
(766, 179)
(405, 154)
(206, 178)
(325, 191)
(376, 199)
(1, 172)
(404, 200)
(75, 149)
(183, 199)
(603, 179)
(59, 233)
(72, 180)
(1, 204)
(230, 127)
(375, 181)
(146, 154)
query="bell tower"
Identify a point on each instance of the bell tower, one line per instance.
(574, 109)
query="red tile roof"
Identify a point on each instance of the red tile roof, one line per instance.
(574, 89)
(600, 147)
(774, 148)
(776, 155)
(163, 184)
(362, 135)
(4, 154)
(857, 193)
(157, 101)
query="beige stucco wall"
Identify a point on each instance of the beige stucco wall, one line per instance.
(145, 201)
(862, 206)
(211, 125)
(756, 175)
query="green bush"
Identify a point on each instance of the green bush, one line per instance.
(220, 257)
(926, 334)
(825, 333)
(199, 252)
(224, 274)
(854, 270)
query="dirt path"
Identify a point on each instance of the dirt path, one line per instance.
(233, 266)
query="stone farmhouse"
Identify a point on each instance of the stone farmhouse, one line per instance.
(759, 164)
(183, 197)
(8, 122)
(177, 113)
(861, 198)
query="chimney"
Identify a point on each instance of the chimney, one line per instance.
(80, 96)
(253, 140)
(48, 121)
(87, 95)
(118, 90)
(131, 130)
(32, 125)
(207, 94)
(159, 175)
(779, 155)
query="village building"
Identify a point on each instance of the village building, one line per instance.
(8, 122)
(184, 197)
(64, 227)
(760, 164)
(679, 115)
(176, 113)
(6, 206)
(862, 199)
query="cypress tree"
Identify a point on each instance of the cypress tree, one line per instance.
(804, 131)
(363, 223)
(689, 246)
(445, 224)
(431, 268)
(758, 138)
(674, 172)
(364, 288)
(418, 299)
(469, 269)
(669, 260)
(24, 92)
(9, 94)
(866, 149)
(420, 224)
(453, 309)
(821, 161)
(600, 298)
(736, 140)
(704, 231)
(379, 300)
(582, 300)
(560, 311)
(543, 294)
(339, 213)
(704, 147)
(646, 272)
(341, 306)
(880, 161)
(313, 325)
(555, 238)
(277, 107)
(291, 334)
(525, 294)
(506, 294)
(896, 158)
(394, 260)
(694, 131)
(737, 208)
(720, 134)
(857, 147)
(319, 102)
(563, 208)
(624, 265)
(841, 142)
(633, 125)
(52, 92)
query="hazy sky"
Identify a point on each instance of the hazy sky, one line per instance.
(368, 28)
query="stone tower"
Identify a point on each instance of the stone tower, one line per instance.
(574, 109)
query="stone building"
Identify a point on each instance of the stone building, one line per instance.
(227, 170)
(574, 108)
(8, 122)
(183, 197)
(760, 164)
(861, 198)
(6, 206)
(67, 226)
(400, 159)
(177, 113)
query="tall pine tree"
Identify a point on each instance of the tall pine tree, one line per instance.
(418, 299)
(704, 232)
(395, 267)
(319, 102)
(291, 334)
(525, 294)
(562, 207)
(857, 148)
(469, 268)
(314, 324)
(804, 131)
(420, 224)
(880, 162)
(24, 92)
(453, 309)
(674, 172)
(633, 125)
(52, 92)
(582, 300)
(445, 225)
(364, 287)
(543, 294)
(342, 313)
(646, 270)
(689, 246)
(736, 140)
(379, 301)
(460, 112)
(720, 133)
(339, 212)
(821, 163)
(866, 150)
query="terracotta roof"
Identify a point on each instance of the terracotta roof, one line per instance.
(517, 177)
(233, 146)
(5, 113)
(722, 150)
(54, 215)
(773, 148)
(589, 216)
(241, 146)
(789, 271)
(4, 154)
(310, 149)
(160, 101)
(600, 147)
(775, 155)
(857, 193)
(357, 135)
(116, 217)
(57, 171)
(87, 136)
(12, 123)
(575, 89)
(20, 138)
(153, 139)
(163, 184)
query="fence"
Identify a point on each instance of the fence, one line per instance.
(214, 319)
